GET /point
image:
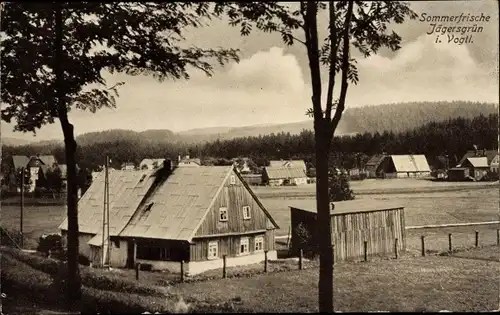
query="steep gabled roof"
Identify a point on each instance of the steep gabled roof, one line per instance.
(410, 163)
(288, 163)
(375, 161)
(478, 161)
(490, 155)
(285, 172)
(126, 191)
(48, 160)
(177, 207)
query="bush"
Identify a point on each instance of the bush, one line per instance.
(50, 243)
(338, 187)
(19, 278)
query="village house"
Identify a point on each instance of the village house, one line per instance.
(380, 223)
(474, 165)
(186, 161)
(398, 166)
(164, 216)
(282, 176)
(151, 164)
(11, 165)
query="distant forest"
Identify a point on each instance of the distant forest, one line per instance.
(452, 137)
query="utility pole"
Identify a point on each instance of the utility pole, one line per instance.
(22, 208)
(105, 218)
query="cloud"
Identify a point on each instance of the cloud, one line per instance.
(425, 71)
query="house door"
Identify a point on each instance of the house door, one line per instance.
(131, 254)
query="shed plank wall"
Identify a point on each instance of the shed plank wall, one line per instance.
(349, 231)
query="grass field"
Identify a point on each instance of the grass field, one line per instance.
(409, 284)
(460, 204)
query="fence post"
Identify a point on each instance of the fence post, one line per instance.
(137, 268)
(423, 245)
(182, 270)
(498, 237)
(366, 250)
(396, 249)
(224, 266)
(477, 238)
(265, 261)
(301, 254)
(450, 246)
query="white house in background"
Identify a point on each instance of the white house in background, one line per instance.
(151, 164)
(128, 166)
(187, 161)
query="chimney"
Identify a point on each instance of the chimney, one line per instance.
(167, 166)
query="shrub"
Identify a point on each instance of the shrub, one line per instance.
(51, 242)
(338, 187)
(19, 278)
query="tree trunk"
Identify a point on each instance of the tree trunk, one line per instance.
(325, 286)
(73, 283)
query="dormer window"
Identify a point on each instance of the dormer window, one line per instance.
(142, 178)
(149, 206)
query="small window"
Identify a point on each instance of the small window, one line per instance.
(233, 180)
(246, 213)
(222, 214)
(244, 245)
(142, 178)
(148, 207)
(259, 243)
(213, 250)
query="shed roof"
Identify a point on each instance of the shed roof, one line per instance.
(285, 172)
(349, 206)
(410, 163)
(375, 160)
(478, 161)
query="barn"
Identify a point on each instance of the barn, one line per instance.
(164, 216)
(378, 222)
(400, 166)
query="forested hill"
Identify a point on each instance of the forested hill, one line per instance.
(380, 118)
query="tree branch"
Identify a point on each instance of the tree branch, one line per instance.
(333, 61)
(345, 68)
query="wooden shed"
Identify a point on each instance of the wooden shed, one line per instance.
(378, 222)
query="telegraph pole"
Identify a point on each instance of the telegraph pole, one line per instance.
(22, 208)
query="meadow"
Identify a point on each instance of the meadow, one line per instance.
(425, 202)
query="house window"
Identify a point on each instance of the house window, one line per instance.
(233, 180)
(213, 250)
(243, 245)
(259, 243)
(222, 214)
(246, 213)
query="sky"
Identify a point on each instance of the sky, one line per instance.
(271, 83)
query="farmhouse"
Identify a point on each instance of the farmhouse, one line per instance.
(489, 154)
(399, 166)
(161, 217)
(278, 176)
(353, 222)
(478, 167)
